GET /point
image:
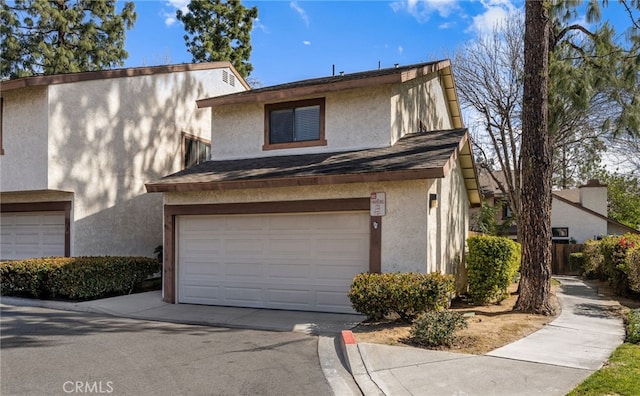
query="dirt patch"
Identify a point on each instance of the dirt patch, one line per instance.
(489, 327)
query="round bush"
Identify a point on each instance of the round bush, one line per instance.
(436, 328)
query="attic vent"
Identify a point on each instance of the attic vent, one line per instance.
(228, 78)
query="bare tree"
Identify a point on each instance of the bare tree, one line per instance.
(489, 79)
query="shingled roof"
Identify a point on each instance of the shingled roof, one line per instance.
(340, 82)
(424, 155)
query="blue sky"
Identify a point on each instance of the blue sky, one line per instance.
(295, 40)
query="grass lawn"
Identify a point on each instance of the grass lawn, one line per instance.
(621, 376)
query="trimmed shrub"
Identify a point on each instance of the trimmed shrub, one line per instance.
(75, 277)
(25, 278)
(592, 260)
(435, 328)
(492, 263)
(576, 261)
(406, 294)
(633, 327)
(632, 268)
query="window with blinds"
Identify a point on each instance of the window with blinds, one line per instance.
(294, 124)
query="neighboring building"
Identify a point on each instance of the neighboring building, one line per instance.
(290, 207)
(76, 150)
(577, 214)
(580, 214)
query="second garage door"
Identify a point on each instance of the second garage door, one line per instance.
(285, 261)
(31, 234)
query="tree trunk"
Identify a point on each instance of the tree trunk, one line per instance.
(536, 165)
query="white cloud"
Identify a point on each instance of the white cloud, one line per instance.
(170, 17)
(422, 9)
(300, 11)
(257, 24)
(400, 49)
(306, 42)
(495, 12)
(446, 25)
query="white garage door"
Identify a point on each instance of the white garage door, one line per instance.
(285, 261)
(33, 234)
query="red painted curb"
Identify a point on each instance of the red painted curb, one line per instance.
(348, 338)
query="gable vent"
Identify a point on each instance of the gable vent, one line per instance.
(228, 78)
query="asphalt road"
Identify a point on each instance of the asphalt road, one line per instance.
(48, 352)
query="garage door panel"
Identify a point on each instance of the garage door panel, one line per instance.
(204, 293)
(290, 223)
(199, 247)
(285, 273)
(342, 247)
(243, 294)
(290, 246)
(244, 247)
(290, 261)
(242, 223)
(242, 270)
(196, 268)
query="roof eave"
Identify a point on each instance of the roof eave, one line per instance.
(413, 174)
(35, 81)
(338, 84)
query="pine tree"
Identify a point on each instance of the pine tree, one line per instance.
(219, 30)
(62, 36)
(537, 158)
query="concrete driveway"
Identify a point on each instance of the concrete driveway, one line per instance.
(53, 352)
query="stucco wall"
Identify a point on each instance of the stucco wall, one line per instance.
(354, 119)
(404, 227)
(422, 99)
(448, 224)
(24, 138)
(106, 138)
(582, 225)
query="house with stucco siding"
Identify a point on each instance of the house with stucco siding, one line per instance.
(577, 214)
(76, 150)
(314, 181)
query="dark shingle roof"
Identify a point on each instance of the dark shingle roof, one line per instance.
(415, 156)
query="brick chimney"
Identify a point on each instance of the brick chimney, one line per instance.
(593, 195)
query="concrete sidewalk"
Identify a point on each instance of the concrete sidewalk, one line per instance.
(551, 361)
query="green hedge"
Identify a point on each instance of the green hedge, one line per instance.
(633, 327)
(615, 259)
(406, 294)
(75, 277)
(493, 263)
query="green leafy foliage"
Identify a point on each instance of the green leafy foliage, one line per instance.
(493, 263)
(51, 37)
(615, 259)
(623, 196)
(592, 259)
(576, 261)
(219, 30)
(75, 277)
(435, 328)
(632, 268)
(406, 294)
(633, 326)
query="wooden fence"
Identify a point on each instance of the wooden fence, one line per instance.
(560, 258)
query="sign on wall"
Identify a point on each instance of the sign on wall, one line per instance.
(378, 204)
